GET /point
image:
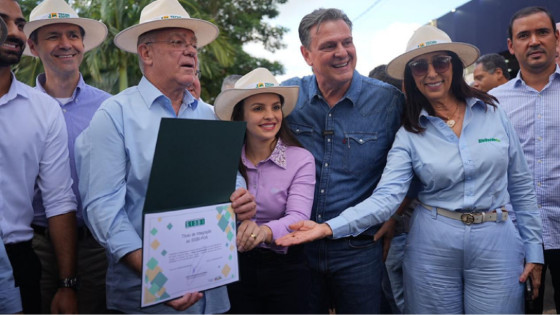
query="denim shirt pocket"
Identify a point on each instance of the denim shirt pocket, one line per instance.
(305, 135)
(358, 147)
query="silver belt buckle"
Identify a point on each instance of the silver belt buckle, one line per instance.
(467, 218)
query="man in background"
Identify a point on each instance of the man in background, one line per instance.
(60, 41)
(490, 71)
(531, 102)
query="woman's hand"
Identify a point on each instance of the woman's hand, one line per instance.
(305, 231)
(249, 235)
(534, 271)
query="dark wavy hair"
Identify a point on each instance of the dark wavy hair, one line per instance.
(416, 101)
(284, 133)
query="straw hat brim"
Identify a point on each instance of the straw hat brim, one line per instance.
(95, 31)
(467, 52)
(226, 100)
(205, 32)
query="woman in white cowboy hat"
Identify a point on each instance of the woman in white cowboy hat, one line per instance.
(464, 253)
(281, 176)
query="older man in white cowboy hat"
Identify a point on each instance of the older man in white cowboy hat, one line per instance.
(34, 155)
(115, 153)
(59, 37)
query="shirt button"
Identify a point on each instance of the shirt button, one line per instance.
(540, 161)
(326, 164)
(539, 184)
(361, 141)
(330, 115)
(539, 206)
(319, 216)
(539, 116)
(297, 130)
(64, 110)
(329, 140)
(322, 191)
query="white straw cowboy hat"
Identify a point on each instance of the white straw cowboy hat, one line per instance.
(428, 39)
(58, 11)
(164, 14)
(255, 82)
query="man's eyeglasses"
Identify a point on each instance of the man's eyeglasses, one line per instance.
(176, 44)
(420, 67)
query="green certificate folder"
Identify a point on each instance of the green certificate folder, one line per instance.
(189, 228)
(195, 164)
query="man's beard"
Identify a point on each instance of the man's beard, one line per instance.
(9, 58)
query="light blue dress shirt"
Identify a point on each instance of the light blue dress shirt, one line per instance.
(77, 114)
(33, 152)
(114, 158)
(479, 171)
(536, 118)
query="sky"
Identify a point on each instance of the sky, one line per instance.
(381, 29)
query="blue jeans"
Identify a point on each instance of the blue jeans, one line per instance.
(394, 264)
(345, 275)
(450, 267)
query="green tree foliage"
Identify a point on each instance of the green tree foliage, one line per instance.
(240, 22)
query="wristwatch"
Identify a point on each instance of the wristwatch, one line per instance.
(71, 283)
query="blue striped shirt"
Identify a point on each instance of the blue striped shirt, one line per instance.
(77, 114)
(536, 118)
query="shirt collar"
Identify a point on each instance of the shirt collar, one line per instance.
(278, 155)
(520, 82)
(352, 94)
(16, 89)
(471, 102)
(42, 78)
(151, 94)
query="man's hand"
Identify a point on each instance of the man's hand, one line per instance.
(305, 231)
(184, 302)
(243, 204)
(534, 271)
(65, 301)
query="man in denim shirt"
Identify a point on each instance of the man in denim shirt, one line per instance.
(348, 121)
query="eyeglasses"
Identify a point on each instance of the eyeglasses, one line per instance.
(420, 67)
(176, 44)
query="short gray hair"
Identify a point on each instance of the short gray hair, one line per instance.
(490, 62)
(229, 81)
(316, 18)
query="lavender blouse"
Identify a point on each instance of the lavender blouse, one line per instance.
(283, 186)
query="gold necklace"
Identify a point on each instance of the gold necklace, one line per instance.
(451, 122)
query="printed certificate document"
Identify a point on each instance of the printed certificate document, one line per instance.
(188, 251)
(188, 225)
